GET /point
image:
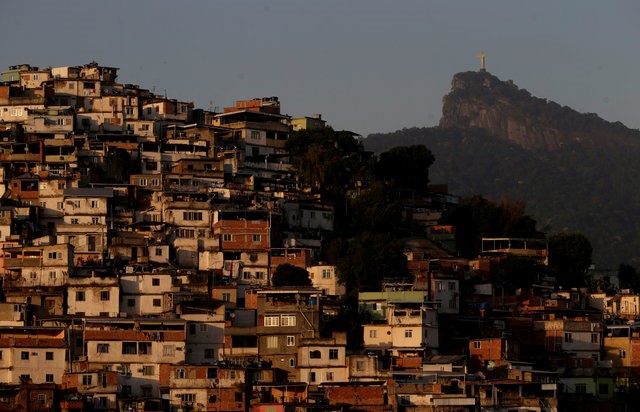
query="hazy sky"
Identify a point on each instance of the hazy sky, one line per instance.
(365, 65)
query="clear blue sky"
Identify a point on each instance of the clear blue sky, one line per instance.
(365, 65)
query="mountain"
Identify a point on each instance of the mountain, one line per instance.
(576, 172)
(481, 100)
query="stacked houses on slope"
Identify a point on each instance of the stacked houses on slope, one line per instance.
(139, 235)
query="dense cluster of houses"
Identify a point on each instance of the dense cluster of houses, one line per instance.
(139, 235)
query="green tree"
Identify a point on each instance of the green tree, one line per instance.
(365, 260)
(325, 159)
(629, 278)
(569, 258)
(290, 275)
(476, 217)
(377, 208)
(405, 167)
(518, 271)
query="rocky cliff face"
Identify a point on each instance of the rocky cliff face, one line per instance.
(481, 100)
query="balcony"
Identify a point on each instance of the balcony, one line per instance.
(72, 158)
(10, 263)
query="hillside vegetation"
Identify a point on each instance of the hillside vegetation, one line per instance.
(575, 172)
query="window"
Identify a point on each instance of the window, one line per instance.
(315, 354)
(104, 295)
(180, 373)
(568, 338)
(131, 303)
(288, 320)
(192, 215)
(255, 135)
(48, 377)
(55, 255)
(52, 274)
(622, 353)
(260, 275)
(291, 341)
(86, 380)
(326, 273)
(80, 296)
(158, 251)
(439, 286)
(48, 355)
(453, 304)
(257, 238)
(91, 243)
(95, 220)
(292, 362)
(271, 320)
(103, 402)
(203, 327)
(209, 353)
(408, 333)
(168, 350)
(477, 344)
(148, 370)
(145, 127)
(246, 275)
(24, 355)
(186, 233)
(212, 373)
(155, 282)
(359, 365)
(227, 237)
(226, 297)
(581, 388)
(373, 333)
(272, 342)
(333, 353)
(452, 285)
(60, 205)
(192, 329)
(129, 348)
(312, 376)
(603, 389)
(404, 399)
(329, 376)
(157, 302)
(594, 338)
(144, 348)
(102, 348)
(75, 221)
(42, 398)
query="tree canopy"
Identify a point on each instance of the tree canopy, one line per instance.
(365, 260)
(290, 275)
(405, 167)
(476, 217)
(326, 160)
(569, 258)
